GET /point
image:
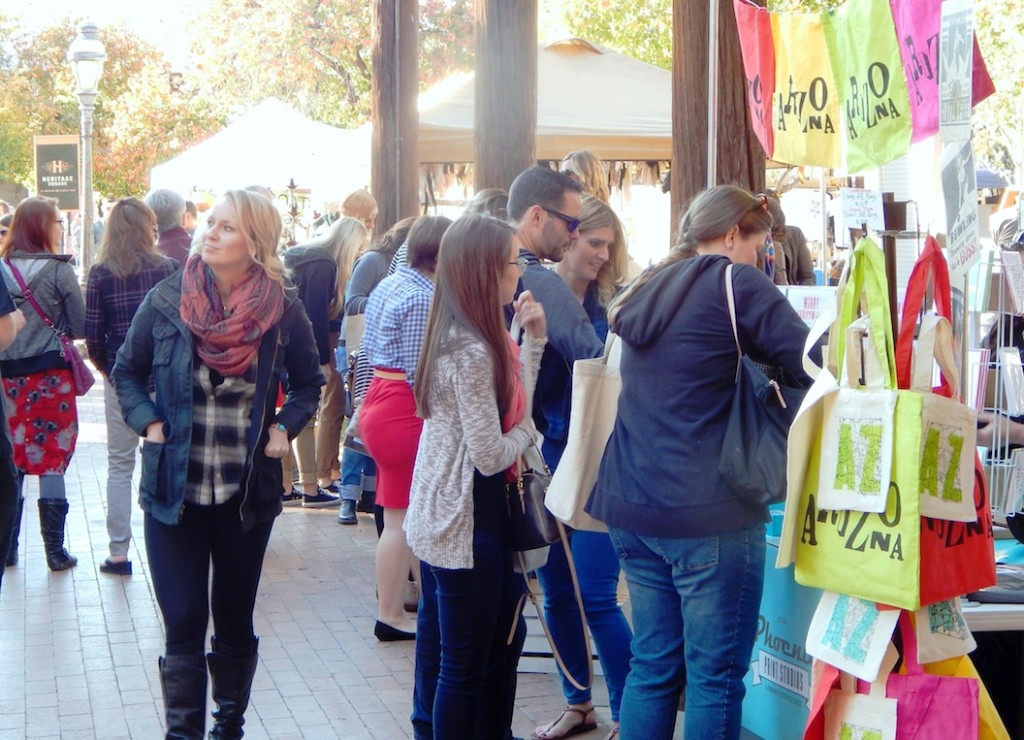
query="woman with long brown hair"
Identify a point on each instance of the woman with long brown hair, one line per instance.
(470, 395)
(37, 379)
(127, 266)
(396, 321)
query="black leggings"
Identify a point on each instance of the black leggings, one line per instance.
(179, 559)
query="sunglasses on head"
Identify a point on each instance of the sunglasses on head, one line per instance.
(571, 223)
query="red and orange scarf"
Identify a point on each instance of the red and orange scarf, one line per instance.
(228, 335)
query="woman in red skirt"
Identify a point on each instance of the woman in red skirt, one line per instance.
(396, 322)
(37, 379)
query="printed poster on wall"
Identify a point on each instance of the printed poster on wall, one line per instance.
(57, 171)
(955, 57)
(959, 191)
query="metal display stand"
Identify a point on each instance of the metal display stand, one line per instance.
(998, 462)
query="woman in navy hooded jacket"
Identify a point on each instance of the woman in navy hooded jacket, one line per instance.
(693, 551)
(216, 338)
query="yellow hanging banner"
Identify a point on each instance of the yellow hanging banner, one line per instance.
(806, 113)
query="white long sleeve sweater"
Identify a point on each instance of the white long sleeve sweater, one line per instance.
(463, 434)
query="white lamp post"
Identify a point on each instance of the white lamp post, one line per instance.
(86, 55)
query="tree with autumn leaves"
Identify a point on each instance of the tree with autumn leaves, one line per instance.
(141, 116)
(312, 54)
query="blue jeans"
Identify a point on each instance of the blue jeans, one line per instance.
(695, 604)
(598, 571)
(354, 467)
(465, 676)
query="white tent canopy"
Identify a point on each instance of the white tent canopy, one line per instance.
(271, 145)
(588, 97)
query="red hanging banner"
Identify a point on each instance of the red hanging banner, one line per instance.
(754, 24)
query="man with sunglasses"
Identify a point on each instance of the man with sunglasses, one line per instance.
(544, 206)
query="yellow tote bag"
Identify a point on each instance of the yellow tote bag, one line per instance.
(875, 556)
(806, 112)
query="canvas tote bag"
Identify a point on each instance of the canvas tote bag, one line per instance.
(596, 385)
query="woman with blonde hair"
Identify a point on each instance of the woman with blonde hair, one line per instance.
(127, 266)
(217, 338)
(37, 379)
(692, 549)
(489, 202)
(469, 391)
(589, 171)
(320, 270)
(594, 267)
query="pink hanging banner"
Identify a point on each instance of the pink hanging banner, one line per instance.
(754, 24)
(917, 31)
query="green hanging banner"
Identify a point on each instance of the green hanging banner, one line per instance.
(872, 89)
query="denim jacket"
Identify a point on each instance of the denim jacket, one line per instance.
(158, 342)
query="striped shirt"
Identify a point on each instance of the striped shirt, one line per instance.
(221, 417)
(396, 320)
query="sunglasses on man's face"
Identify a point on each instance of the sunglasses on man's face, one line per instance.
(570, 223)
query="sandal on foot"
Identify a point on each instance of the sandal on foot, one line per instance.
(614, 734)
(587, 722)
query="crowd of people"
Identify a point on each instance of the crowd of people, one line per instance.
(236, 363)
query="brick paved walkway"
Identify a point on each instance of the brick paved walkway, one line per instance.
(78, 649)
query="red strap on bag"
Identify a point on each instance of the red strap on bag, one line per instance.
(931, 263)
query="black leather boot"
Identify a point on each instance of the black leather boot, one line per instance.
(12, 553)
(52, 514)
(183, 680)
(231, 673)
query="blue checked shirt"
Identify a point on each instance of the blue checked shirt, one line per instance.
(396, 321)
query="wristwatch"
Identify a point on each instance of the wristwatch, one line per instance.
(282, 428)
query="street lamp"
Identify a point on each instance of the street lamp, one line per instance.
(86, 55)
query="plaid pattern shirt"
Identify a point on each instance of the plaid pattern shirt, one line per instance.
(396, 320)
(110, 304)
(221, 417)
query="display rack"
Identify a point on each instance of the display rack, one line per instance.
(1006, 482)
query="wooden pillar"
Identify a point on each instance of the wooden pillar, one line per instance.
(741, 159)
(394, 87)
(505, 128)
